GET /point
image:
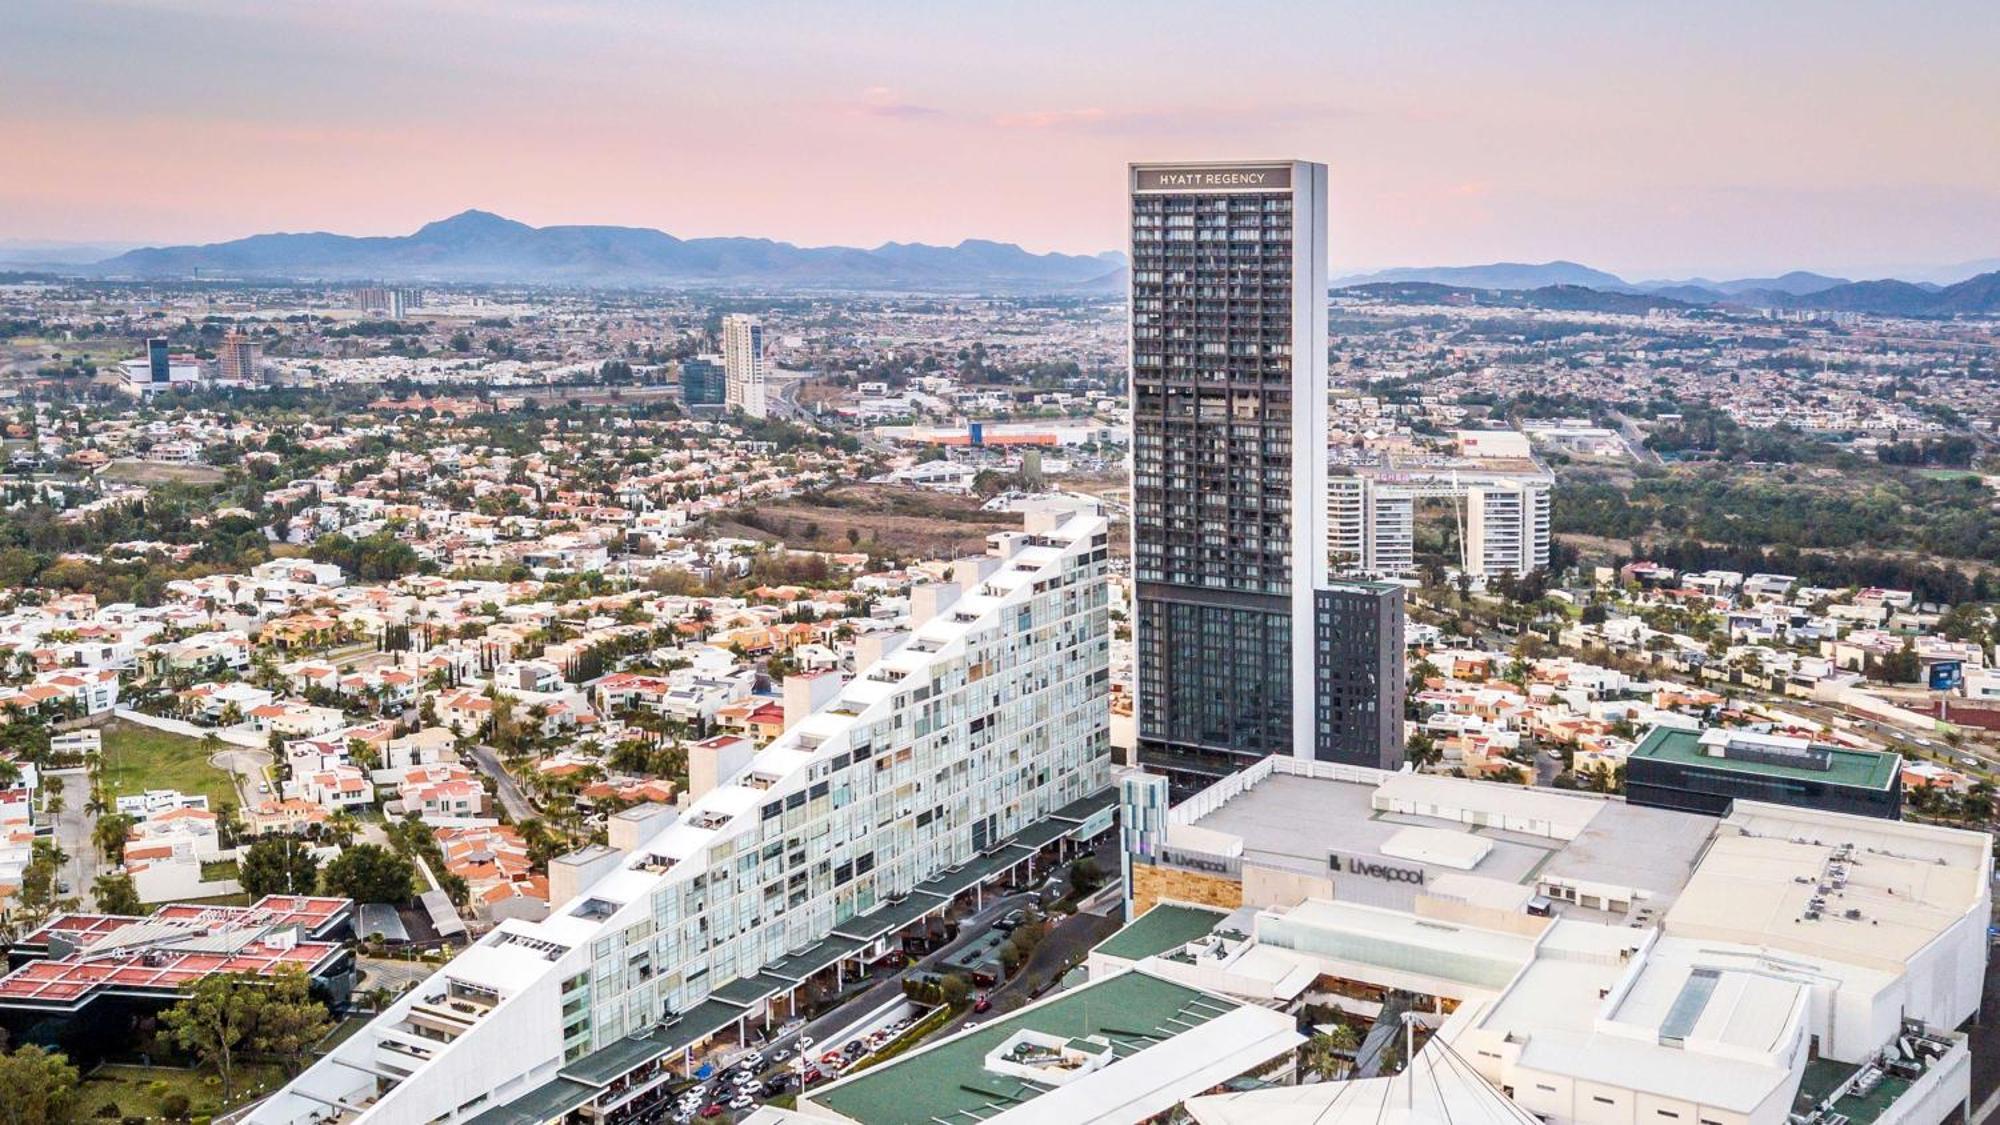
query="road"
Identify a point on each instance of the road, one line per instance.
(1065, 946)
(511, 798)
(72, 834)
(1628, 430)
(252, 771)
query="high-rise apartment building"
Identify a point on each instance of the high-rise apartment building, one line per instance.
(384, 299)
(236, 360)
(1371, 528)
(743, 364)
(1507, 527)
(948, 762)
(1503, 521)
(1229, 423)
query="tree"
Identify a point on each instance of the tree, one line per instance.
(278, 865)
(290, 1021)
(370, 873)
(1326, 1054)
(115, 894)
(110, 833)
(37, 1087)
(214, 1020)
(225, 1015)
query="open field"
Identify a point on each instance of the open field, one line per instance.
(886, 517)
(137, 758)
(153, 472)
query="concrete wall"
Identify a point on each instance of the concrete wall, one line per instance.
(1269, 887)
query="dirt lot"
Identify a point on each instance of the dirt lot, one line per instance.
(153, 472)
(888, 518)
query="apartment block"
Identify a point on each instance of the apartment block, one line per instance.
(948, 761)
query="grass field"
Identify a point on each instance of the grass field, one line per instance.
(138, 1090)
(139, 758)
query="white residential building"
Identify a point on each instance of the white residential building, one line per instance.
(949, 761)
(743, 364)
(1503, 521)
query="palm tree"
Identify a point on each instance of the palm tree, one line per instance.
(341, 828)
(1329, 1053)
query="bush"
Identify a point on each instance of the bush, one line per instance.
(174, 1107)
(109, 1109)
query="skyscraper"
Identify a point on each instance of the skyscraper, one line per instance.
(743, 363)
(236, 360)
(1229, 421)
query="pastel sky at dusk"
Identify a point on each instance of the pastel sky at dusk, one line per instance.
(1649, 138)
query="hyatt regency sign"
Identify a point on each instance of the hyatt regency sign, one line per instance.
(1374, 870)
(1246, 178)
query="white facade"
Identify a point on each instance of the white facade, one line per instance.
(743, 365)
(992, 716)
(1507, 527)
(1371, 529)
(1504, 521)
(1747, 946)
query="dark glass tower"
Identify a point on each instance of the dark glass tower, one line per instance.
(1229, 389)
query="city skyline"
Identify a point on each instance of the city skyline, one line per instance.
(1650, 143)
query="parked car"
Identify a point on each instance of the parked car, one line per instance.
(742, 1101)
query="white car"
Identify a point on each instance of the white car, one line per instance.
(742, 1101)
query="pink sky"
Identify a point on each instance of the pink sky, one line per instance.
(1643, 138)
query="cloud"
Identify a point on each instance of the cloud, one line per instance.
(882, 101)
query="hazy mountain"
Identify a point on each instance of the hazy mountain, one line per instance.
(1567, 298)
(1796, 283)
(1798, 290)
(1496, 275)
(1978, 295)
(45, 252)
(479, 246)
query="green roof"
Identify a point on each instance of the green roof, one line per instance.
(1166, 926)
(541, 1104)
(948, 1083)
(1858, 769)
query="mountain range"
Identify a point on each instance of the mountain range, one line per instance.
(478, 246)
(1557, 281)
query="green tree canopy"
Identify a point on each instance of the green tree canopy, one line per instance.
(37, 1087)
(370, 873)
(278, 865)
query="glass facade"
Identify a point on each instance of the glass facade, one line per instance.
(1358, 674)
(1213, 419)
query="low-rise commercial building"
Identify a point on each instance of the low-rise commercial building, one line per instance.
(1580, 959)
(1704, 771)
